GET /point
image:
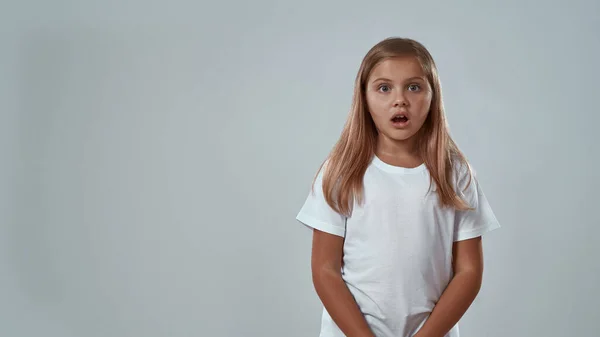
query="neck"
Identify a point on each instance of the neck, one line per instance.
(399, 153)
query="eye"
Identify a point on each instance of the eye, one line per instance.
(384, 88)
(414, 87)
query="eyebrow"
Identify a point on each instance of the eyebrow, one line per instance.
(408, 79)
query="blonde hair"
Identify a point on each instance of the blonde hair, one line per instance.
(346, 164)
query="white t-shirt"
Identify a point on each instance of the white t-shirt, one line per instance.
(398, 244)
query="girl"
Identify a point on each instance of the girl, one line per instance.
(396, 212)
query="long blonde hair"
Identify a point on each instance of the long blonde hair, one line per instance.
(353, 152)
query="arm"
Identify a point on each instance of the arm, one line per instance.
(326, 262)
(461, 292)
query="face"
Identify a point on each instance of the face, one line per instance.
(398, 97)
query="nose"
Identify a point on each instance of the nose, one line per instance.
(400, 99)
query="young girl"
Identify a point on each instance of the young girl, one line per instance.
(396, 212)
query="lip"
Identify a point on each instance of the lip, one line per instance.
(404, 113)
(400, 125)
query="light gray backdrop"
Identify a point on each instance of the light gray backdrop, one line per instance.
(155, 154)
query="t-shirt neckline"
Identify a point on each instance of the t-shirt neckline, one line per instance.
(397, 169)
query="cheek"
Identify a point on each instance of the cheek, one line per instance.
(422, 103)
(377, 106)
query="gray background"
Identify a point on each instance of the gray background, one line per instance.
(154, 157)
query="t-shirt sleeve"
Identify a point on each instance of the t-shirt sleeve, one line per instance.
(473, 223)
(317, 214)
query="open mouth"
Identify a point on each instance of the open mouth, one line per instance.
(399, 119)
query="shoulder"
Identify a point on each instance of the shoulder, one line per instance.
(320, 172)
(318, 181)
(462, 170)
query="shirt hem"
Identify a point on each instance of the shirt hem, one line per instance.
(323, 226)
(476, 232)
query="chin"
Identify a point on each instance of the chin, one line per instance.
(400, 135)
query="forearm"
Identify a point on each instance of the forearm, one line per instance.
(341, 305)
(452, 305)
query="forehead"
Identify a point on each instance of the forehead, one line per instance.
(397, 68)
